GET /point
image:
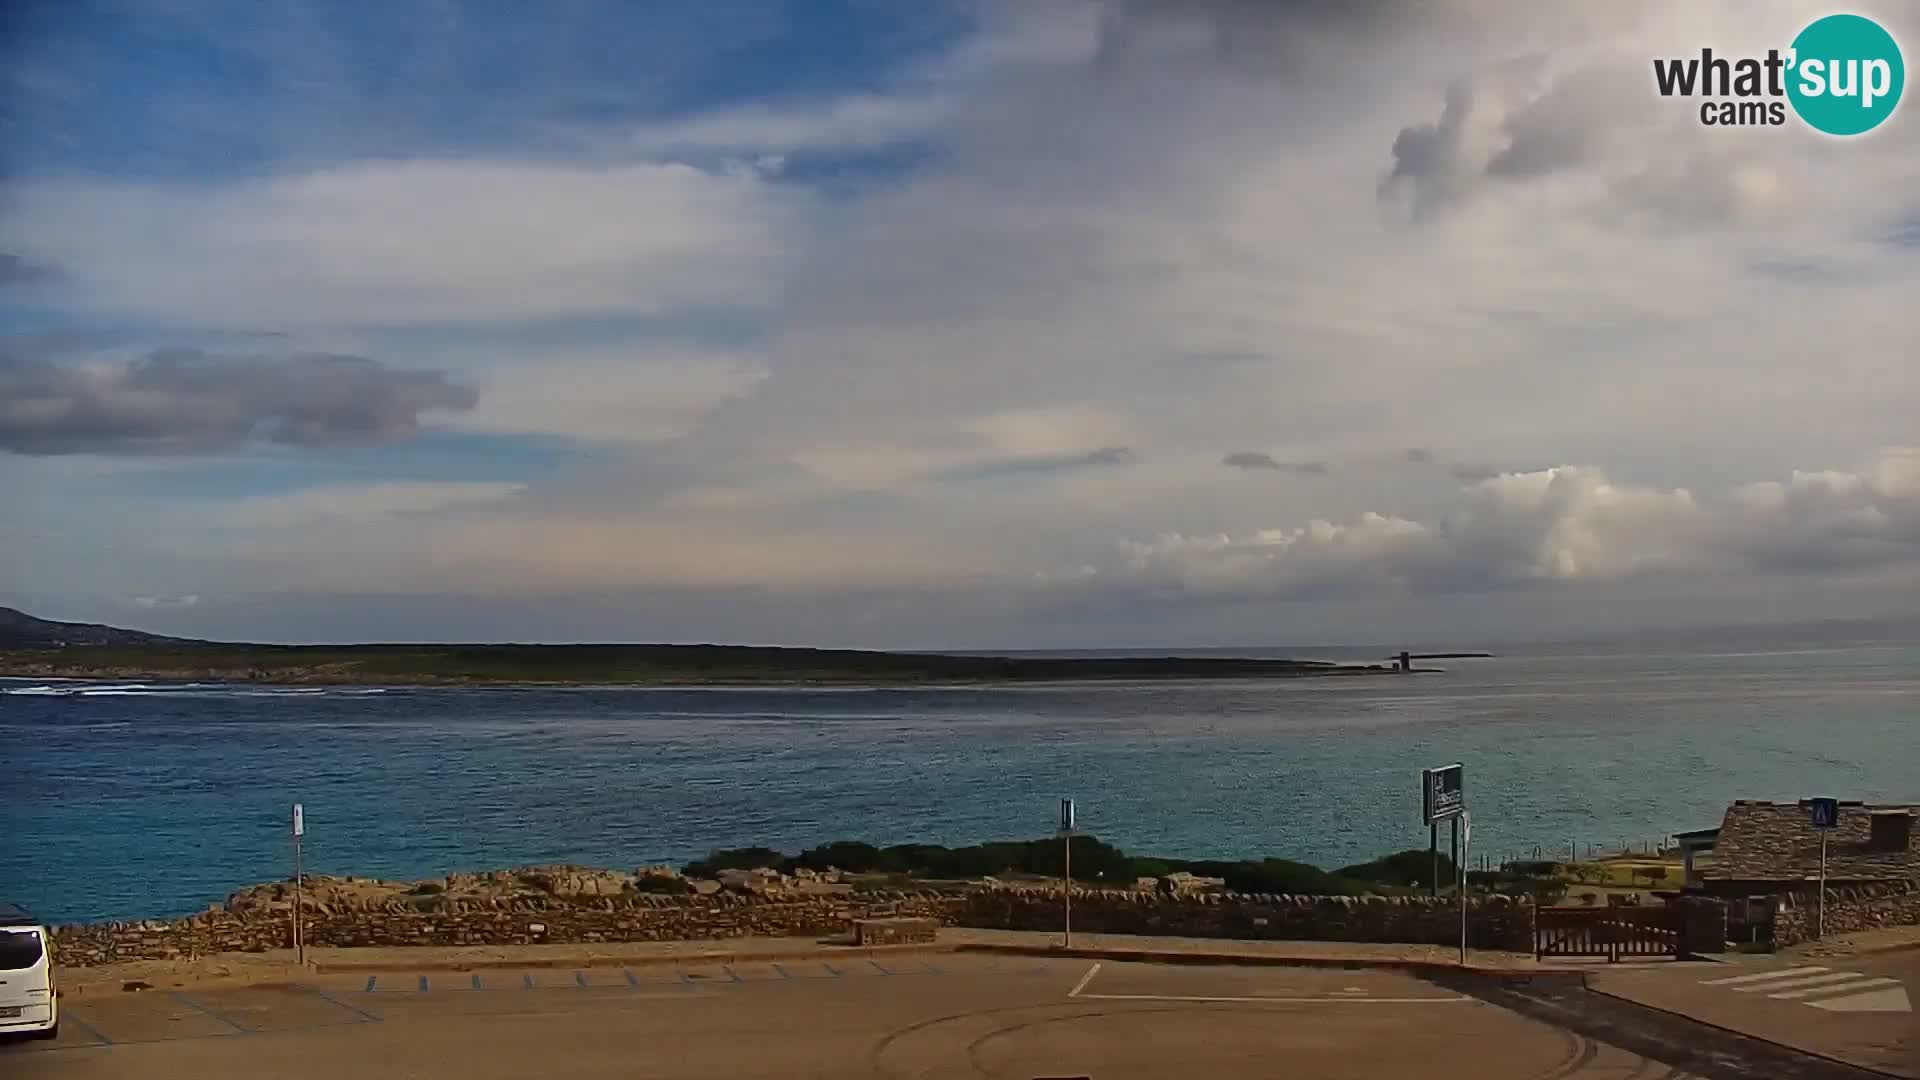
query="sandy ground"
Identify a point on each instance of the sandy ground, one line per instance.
(930, 1015)
(237, 969)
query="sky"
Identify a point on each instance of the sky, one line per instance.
(1088, 323)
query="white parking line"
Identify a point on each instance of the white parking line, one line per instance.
(1329, 1000)
(1084, 980)
(1348, 995)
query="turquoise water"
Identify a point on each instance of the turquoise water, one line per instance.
(146, 800)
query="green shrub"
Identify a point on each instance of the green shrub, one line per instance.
(1408, 869)
(853, 856)
(1286, 876)
(751, 858)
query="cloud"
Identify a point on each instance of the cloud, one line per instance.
(376, 243)
(1254, 459)
(155, 602)
(186, 401)
(614, 394)
(1418, 456)
(19, 270)
(858, 122)
(1249, 459)
(1042, 464)
(358, 503)
(1559, 526)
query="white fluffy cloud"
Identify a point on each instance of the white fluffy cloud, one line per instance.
(1569, 524)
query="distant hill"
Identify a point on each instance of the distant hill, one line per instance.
(19, 630)
(40, 648)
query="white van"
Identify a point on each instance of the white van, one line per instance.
(28, 1004)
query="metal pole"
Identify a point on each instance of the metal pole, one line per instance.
(299, 941)
(1433, 849)
(1453, 845)
(1066, 884)
(1820, 923)
(1461, 864)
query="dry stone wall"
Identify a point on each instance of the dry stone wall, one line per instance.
(438, 921)
(1849, 908)
(1494, 923)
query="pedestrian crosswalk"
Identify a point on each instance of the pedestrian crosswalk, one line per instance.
(1822, 988)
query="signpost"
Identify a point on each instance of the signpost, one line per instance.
(1826, 817)
(299, 830)
(1442, 797)
(1066, 855)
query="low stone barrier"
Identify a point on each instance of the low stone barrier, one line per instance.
(1495, 922)
(1849, 908)
(894, 931)
(438, 921)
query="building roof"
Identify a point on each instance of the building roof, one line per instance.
(1769, 841)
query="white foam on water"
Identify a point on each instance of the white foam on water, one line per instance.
(191, 690)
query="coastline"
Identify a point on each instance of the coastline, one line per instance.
(617, 666)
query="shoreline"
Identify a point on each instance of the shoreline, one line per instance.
(639, 666)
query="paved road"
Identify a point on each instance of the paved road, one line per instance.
(1855, 1008)
(930, 1016)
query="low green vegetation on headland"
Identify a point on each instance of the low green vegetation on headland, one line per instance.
(614, 665)
(1094, 863)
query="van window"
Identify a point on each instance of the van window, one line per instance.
(19, 949)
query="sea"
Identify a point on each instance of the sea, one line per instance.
(143, 799)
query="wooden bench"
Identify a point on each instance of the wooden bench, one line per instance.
(894, 931)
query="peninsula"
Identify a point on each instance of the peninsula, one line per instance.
(37, 648)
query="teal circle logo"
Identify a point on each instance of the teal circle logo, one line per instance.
(1847, 75)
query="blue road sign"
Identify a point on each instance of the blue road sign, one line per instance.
(1825, 812)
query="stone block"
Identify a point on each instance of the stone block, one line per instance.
(896, 931)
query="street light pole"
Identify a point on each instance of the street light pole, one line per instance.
(299, 940)
(1820, 918)
(1066, 886)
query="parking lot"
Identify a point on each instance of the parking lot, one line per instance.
(938, 1015)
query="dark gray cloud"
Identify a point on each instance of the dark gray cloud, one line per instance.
(1043, 464)
(1254, 459)
(1306, 39)
(1472, 473)
(1249, 459)
(1420, 457)
(19, 270)
(187, 401)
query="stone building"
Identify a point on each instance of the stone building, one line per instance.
(1770, 848)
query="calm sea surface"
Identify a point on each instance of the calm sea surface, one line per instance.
(124, 800)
